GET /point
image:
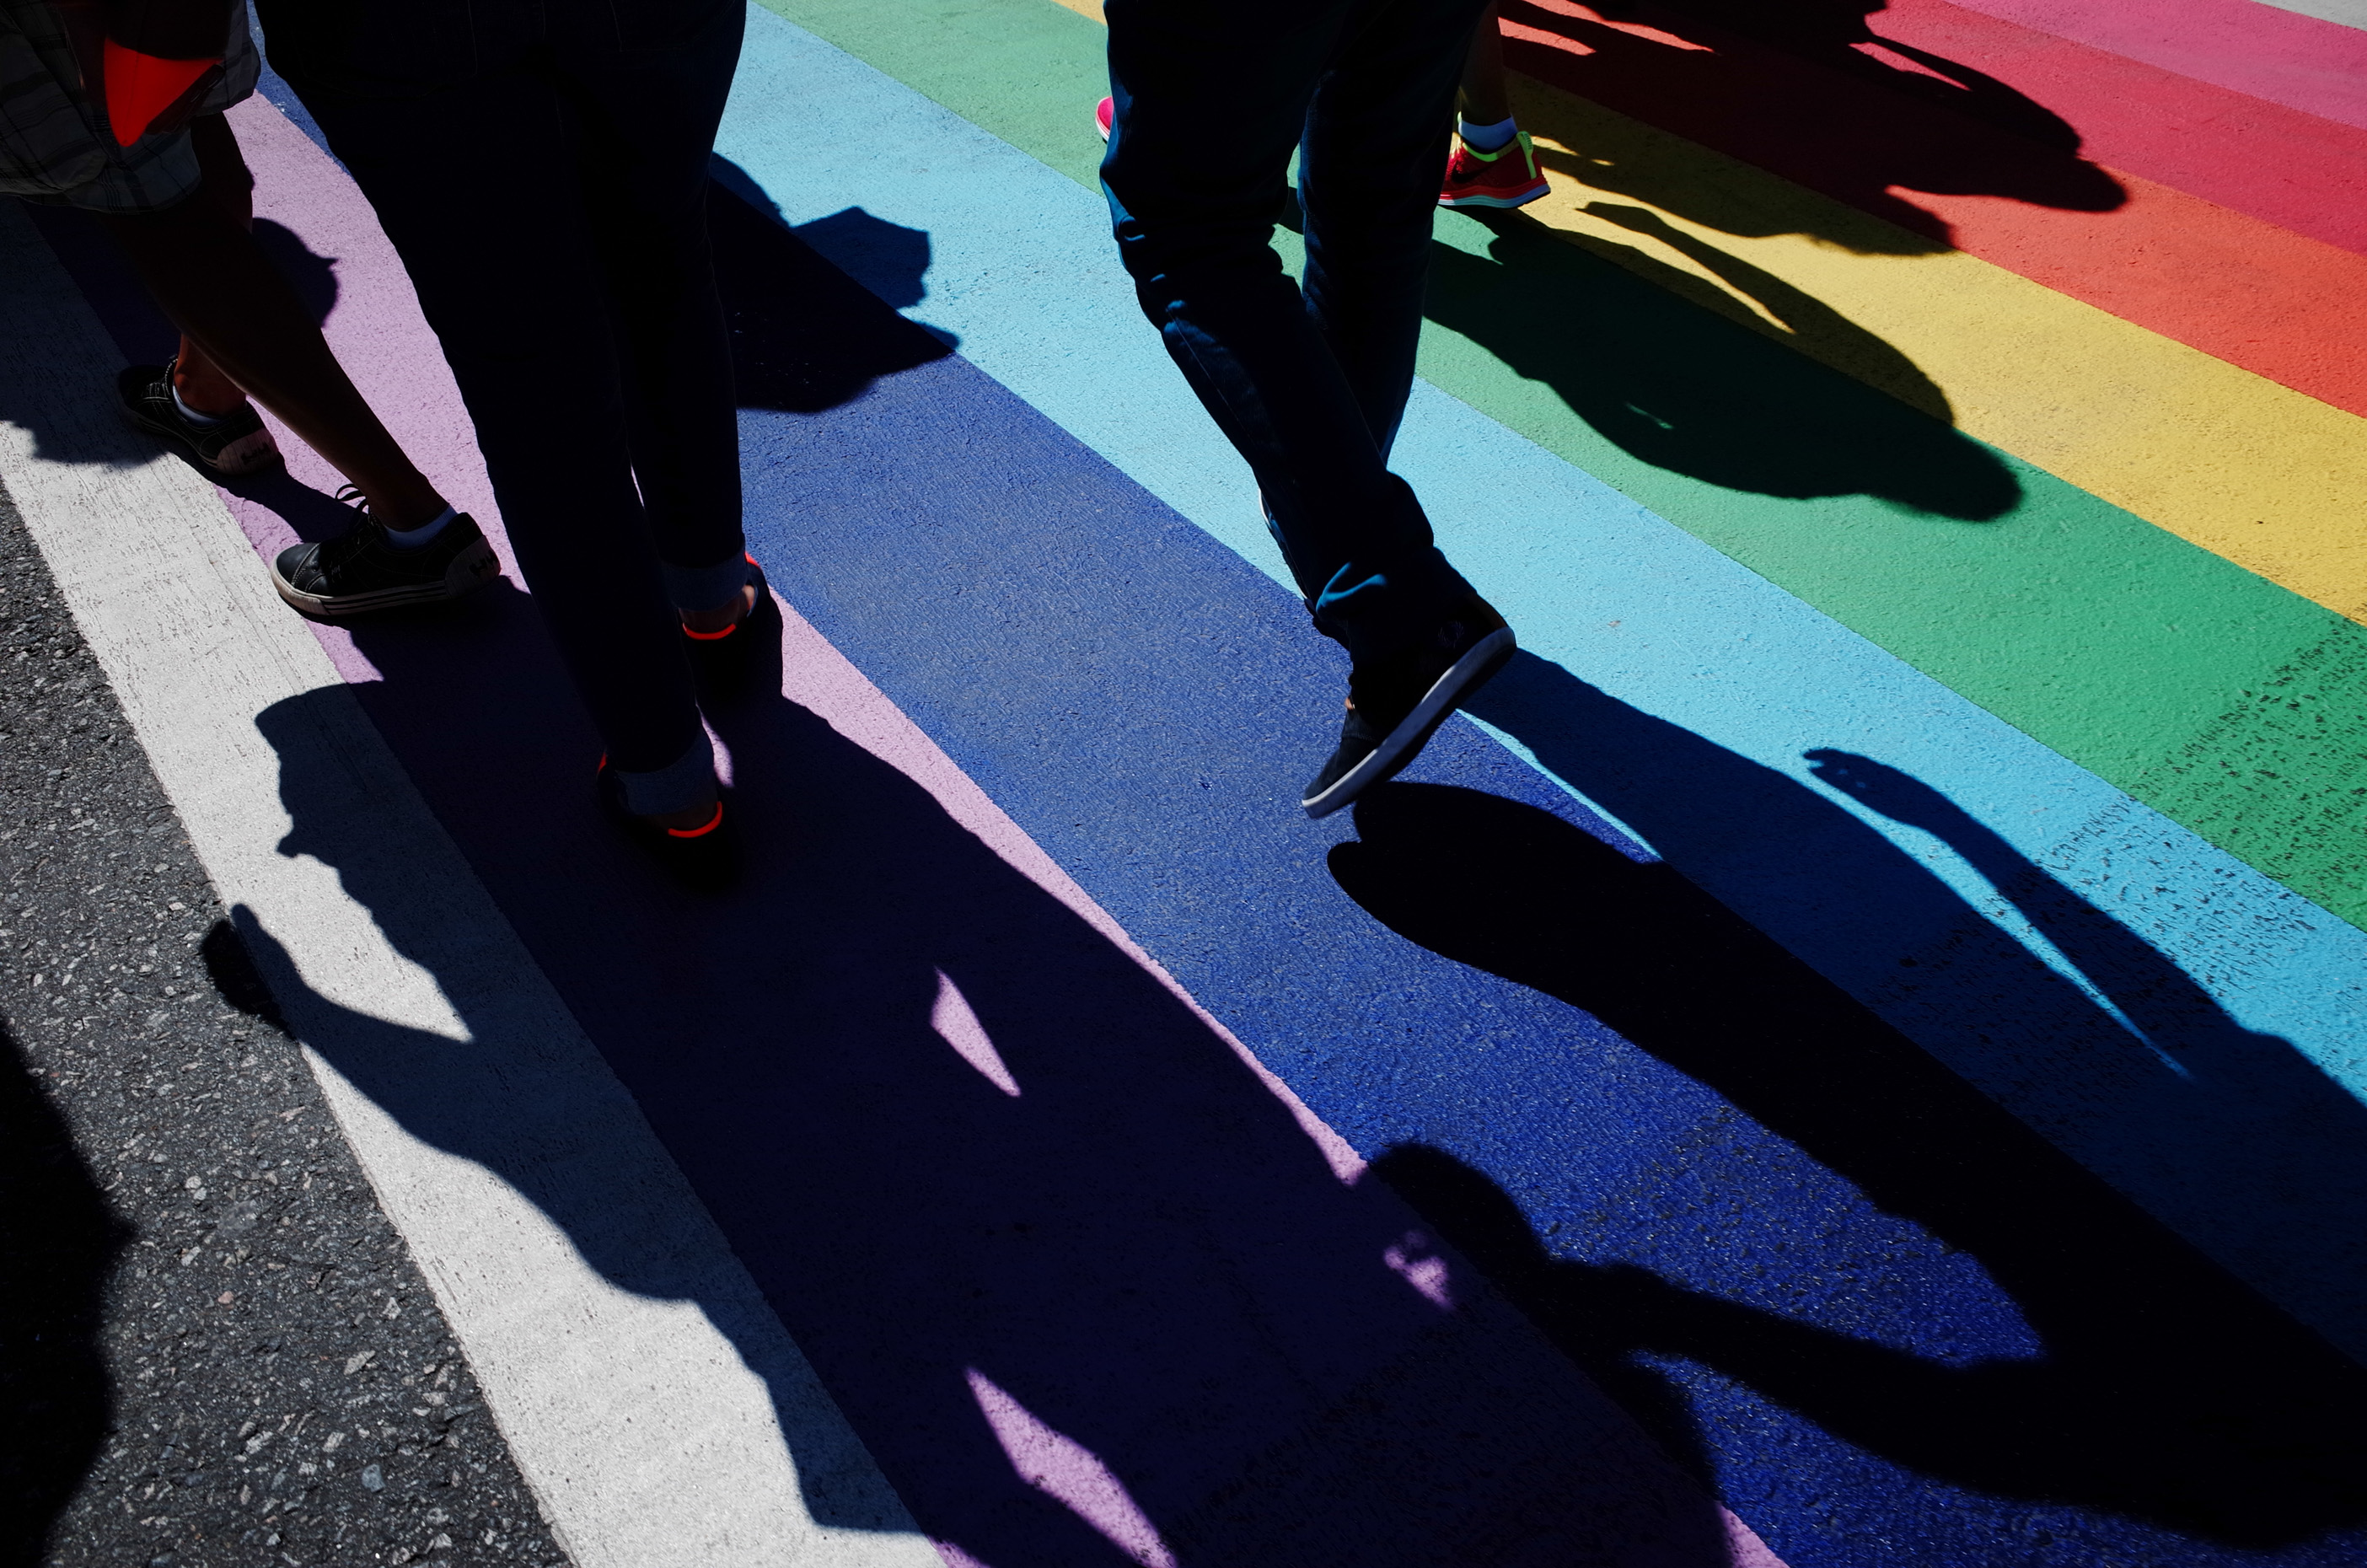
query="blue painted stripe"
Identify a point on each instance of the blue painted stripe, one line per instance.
(2233, 973)
(1892, 1322)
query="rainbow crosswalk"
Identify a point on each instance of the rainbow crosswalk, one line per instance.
(1878, 987)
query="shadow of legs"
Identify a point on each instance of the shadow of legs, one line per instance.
(2166, 1390)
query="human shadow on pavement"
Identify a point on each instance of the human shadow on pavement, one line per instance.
(2165, 1389)
(1792, 88)
(788, 354)
(1009, 1194)
(1683, 388)
(59, 1240)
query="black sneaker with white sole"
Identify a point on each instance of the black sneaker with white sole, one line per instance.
(235, 444)
(1396, 703)
(363, 571)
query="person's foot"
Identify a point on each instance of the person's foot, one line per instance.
(1103, 113)
(1506, 178)
(1396, 703)
(231, 444)
(725, 645)
(696, 845)
(364, 570)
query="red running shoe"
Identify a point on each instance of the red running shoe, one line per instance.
(1104, 112)
(1505, 177)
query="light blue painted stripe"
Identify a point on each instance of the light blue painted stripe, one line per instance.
(1023, 275)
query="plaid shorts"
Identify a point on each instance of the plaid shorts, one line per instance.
(55, 146)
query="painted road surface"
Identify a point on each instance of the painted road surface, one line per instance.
(1853, 1055)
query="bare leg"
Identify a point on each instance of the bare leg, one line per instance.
(250, 332)
(229, 189)
(1483, 98)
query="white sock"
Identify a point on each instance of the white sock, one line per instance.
(1485, 137)
(192, 415)
(412, 538)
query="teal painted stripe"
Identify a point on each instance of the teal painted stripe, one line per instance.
(1023, 274)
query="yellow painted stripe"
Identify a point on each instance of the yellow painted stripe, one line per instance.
(2268, 477)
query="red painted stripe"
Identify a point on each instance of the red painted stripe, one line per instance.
(2297, 170)
(2303, 63)
(1935, 113)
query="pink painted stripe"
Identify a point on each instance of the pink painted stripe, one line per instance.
(2317, 67)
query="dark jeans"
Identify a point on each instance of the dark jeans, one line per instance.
(542, 170)
(1212, 97)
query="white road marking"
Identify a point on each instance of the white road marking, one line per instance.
(675, 1423)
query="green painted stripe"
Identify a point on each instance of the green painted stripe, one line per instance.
(2223, 700)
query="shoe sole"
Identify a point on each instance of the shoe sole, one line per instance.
(1499, 202)
(469, 571)
(1402, 745)
(248, 454)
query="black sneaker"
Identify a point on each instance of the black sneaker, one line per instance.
(1394, 704)
(236, 443)
(727, 662)
(359, 571)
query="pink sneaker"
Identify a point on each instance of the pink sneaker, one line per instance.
(1506, 178)
(1104, 112)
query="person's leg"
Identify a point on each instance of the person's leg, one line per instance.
(229, 189)
(650, 117)
(1482, 97)
(1369, 169)
(1310, 391)
(502, 255)
(1210, 101)
(207, 273)
(1493, 165)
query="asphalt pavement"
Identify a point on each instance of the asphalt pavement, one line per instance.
(214, 1349)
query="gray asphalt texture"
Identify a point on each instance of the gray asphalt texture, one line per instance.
(214, 1350)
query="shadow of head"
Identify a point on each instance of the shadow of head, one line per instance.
(1683, 389)
(889, 259)
(1588, 1314)
(813, 309)
(313, 276)
(61, 1240)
